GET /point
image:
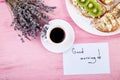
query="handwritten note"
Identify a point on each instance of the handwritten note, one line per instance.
(90, 58)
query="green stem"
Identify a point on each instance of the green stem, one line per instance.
(10, 3)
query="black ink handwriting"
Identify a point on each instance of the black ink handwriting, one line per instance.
(91, 60)
(99, 57)
(74, 51)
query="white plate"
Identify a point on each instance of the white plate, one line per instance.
(58, 47)
(85, 23)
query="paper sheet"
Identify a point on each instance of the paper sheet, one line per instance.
(90, 58)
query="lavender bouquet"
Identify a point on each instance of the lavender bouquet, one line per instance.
(29, 16)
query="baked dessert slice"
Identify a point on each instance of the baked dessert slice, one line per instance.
(116, 12)
(110, 21)
(89, 8)
(107, 2)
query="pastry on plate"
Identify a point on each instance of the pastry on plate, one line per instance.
(89, 8)
(107, 2)
(110, 21)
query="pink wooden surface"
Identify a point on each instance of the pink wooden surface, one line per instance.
(31, 61)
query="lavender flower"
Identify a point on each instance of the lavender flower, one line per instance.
(29, 16)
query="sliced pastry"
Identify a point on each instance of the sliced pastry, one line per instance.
(107, 2)
(110, 21)
(89, 8)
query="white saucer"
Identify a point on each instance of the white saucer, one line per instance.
(58, 47)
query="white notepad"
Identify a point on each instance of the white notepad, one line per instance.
(90, 58)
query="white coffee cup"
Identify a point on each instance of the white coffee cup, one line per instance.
(57, 36)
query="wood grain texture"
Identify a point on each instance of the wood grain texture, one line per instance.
(31, 61)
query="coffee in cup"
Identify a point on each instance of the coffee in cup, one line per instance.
(57, 35)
